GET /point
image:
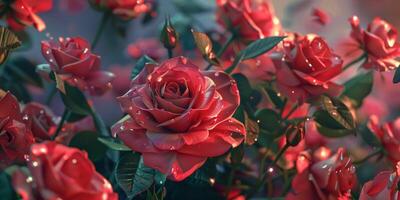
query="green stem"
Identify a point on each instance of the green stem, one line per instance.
(366, 158)
(362, 57)
(230, 179)
(53, 91)
(263, 179)
(223, 48)
(66, 114)
(170, 53)
(100, 29)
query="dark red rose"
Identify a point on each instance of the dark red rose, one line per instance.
(389, 136)
(60, 172)
(328, 179)
(254, 19)
(383, 186)
(125, 9)
(73, 61)
(15, 136)
(40, 120)
(379, 41)
(21, 13)
(179, 116)
(306, 68)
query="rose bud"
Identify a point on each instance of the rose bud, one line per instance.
(40, 120)
(384, 186)
(15, 136)
(22, 13)
(125, 9)
(378, 41)
(306, 68)
(389, 136)
(72, 60)
(294, 134)
(252, 19)
(60, 172)
(332, 178)
(169, 37)
(178, 116)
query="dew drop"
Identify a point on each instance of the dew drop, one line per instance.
(121, 128)
(29, 179)
(216, 74)
(35, 164)
(25, 117)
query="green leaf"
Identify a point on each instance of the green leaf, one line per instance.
(140, 65)
(134, 177)
(244, 86)
(338, 111)
(24, 70)
(396, 77)
(333, 133)
(8, 41)
(99, 123)
(6, 190)
(73, 117)
(323, 118)
(114, 144)
(255, 49)
(87, 141)
(260, 46)
(75, 100)
(268, 119)
(369, 137)
(358, 88)
(276, 100)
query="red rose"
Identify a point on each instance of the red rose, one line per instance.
(389, 135)
(331, 178)
(254, 19)
(21, 13)
(40, 120)
(179, 116)
(60, 172)
(73, 61)
(125, 9)
(306, 69)
(379, 41)
(15, 137)
(384, 186)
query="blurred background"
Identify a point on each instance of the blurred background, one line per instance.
(76, 18)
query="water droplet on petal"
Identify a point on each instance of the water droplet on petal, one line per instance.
(25, 117)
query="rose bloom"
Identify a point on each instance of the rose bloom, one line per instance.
(254, 19)
(72, 60)
(40, 120)
(323, 176)
(179, 116)
(383, 186)
(306, 68)
(125, 9)
(60, 172)
(21, 13)
(378, 41)
(15, 136)
(389, 136)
